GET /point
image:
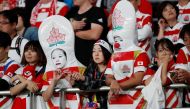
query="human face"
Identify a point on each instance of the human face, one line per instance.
(6, 26)
(187, 41)
(59, 59)
(3, 54)
(31, 56)
(169, 13)
(118, 43)
(163, 52)
(97, 54)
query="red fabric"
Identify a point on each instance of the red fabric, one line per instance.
(145, 7)
(19, 103)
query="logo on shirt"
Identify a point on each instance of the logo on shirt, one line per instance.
(139, 63)
(186, 18)
(126, 69)
(9, 74)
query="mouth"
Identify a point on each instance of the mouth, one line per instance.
(57, 63)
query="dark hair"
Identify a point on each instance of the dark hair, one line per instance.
(163, 5)
(5, 39)
(164, 42)
(34, 45)
(10, 15)
(93, 66)
(22, 13)
(185, 30)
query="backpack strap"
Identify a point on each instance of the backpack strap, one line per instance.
(18, 45)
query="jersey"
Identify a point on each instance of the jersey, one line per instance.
(72, 99)
(123, 66)
(42, 11)
(33, 73)
(17, 48)
(144, 28)
(184, 13)
(183, 62)
(7, 71)
(173, 33)
(173, 96)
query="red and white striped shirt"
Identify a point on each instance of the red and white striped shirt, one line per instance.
(184, 13)
(123, 66)
(144, 26)
(173, 33)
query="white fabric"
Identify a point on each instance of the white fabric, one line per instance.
(62, 26)
(153, 92)
(12, 52)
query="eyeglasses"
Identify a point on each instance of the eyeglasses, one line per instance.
(4, 22)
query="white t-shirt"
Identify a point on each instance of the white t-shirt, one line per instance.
(13, 53)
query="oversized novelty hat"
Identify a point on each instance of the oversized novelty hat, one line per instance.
(124, 22)
(56, 32)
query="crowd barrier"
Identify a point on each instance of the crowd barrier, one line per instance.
(77, 90)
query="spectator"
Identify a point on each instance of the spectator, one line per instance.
(94, 77)
(86, 20)
(7, 69)
(144, 26)
(30, 76)
(46, 8)
(183, 62)
(8, 24)
(165, 56)
(169, 27)
(23, 25)
(184, 11)
(129, 62)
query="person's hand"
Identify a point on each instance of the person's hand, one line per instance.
(162, 24)
(57, 75)
(14, 78)
(165, 59)
(78, 76)
(183, 75)
(32, 86)
(115, 88)
(77, 25)
(174, 76)
(70, 79)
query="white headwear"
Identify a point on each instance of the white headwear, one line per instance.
(57, 32)
(104, 44)
(124, 24)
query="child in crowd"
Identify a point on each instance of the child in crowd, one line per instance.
(169, 27)
(7, 69)
(29, 77)
(166, 56)
(184, 11)
(94, 77)
(183, 62)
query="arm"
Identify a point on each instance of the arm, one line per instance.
(134, 81)
(19, 87)
(93, 34)
(162, 25)
(49, 92)
(144, 32)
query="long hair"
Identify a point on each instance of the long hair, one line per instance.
(34, 45)
(93, 66)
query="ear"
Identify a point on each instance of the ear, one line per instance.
(7, 49)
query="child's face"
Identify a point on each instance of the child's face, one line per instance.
(169, 12)
(97, 54)
(186, 40)
(58, 58)
(31, 56)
